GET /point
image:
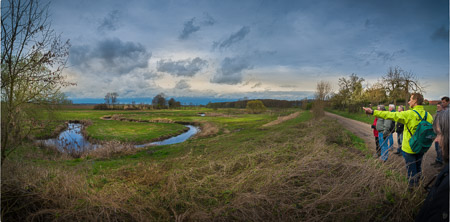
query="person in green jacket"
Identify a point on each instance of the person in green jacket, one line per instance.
(410, 119)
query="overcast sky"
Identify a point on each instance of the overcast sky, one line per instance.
(258, 49)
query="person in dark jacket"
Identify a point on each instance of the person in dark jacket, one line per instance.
(438, 162)
(436, 205)
(399, 130)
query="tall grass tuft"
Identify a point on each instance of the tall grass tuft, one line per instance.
(110, 149)
(318, 109)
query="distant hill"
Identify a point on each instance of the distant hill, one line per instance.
(272, 103)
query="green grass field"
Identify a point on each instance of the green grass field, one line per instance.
(132, 131)
(301, 169)
(140, 132)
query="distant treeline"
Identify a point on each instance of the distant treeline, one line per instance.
(271, 103)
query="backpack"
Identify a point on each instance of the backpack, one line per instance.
(392, 127)
(424, 136)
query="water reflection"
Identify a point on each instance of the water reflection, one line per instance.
(72, 139)
(176, 139)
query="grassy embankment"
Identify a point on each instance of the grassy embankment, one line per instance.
(301, 169)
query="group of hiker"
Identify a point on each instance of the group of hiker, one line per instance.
(417, 130)
(383, 130)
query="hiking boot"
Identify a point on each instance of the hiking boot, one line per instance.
(437, 164)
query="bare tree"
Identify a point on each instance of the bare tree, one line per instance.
(376, 93)
(411, 84)
(323, 90)
(159, 101)
(400, 84)
(305, 103)
(172, 103)
(108, 99)
(393, 84)
(32, 59)
(114, 100)
(350, 93)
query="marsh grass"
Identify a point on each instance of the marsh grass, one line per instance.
(110, 149)
(291, 171)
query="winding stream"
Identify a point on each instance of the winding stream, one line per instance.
(70, 139)
(73, 139)
(176, 139)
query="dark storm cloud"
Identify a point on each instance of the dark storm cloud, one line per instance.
(258, 84)
(381, 56)
(188, 29)
(188, 67)
(207, 20)
(387, 56)
(182, 84)
(111, 56)
(230, 71)
(440, 34)
(192, 25)
(235, 37)
(79, 55)
(110, 22)
(112, 50)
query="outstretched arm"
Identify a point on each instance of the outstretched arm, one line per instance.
(395, 116)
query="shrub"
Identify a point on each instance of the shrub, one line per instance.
(317, 109)
(255, 106)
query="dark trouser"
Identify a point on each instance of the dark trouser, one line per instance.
(413, 166)
(377, 143)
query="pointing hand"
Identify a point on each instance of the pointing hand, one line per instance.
(368, 110)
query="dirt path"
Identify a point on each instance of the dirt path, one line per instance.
(282, 119)
(364, 131)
